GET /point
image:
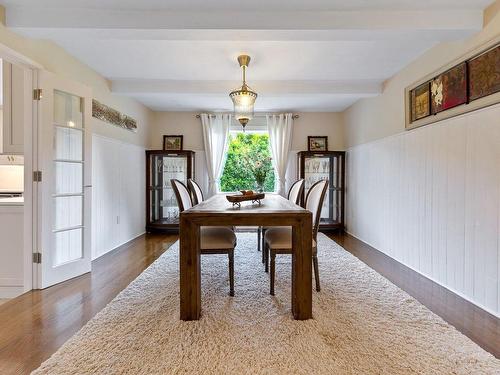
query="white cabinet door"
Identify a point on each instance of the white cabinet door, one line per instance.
(16, 110)
(64, 196)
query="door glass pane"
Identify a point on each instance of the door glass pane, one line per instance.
(68, 178)
(67, 110)
(67, 212)
(68, 144)
(68, 246)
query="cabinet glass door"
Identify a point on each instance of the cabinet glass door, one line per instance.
(164, 208)
(318, 168)
(335, 189)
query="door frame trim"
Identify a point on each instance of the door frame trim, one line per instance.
(30, 164)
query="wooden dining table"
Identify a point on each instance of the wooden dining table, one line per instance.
(274, 210)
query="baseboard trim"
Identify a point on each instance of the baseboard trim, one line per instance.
(11, 291)
(488, 310)
(120, 245)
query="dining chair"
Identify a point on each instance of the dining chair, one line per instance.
(278, 240)
(213, 240)
(294, 195)
(196, 192)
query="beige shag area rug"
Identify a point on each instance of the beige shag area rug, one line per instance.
(362, 324)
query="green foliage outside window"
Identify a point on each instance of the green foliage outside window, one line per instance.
(245, 148)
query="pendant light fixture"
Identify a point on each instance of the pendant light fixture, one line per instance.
(244, 97)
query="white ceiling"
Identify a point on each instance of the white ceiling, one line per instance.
(315, 55)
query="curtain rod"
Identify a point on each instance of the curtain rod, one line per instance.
(257, 115)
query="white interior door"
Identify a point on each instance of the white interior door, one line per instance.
(64, 194)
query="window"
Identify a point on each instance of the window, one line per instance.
(245, 148)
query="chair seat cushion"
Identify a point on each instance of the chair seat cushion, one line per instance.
(281, 238)
(213, 238)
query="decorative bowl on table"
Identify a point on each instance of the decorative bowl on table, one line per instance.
(246, 195)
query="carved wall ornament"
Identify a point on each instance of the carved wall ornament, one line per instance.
(112, 116)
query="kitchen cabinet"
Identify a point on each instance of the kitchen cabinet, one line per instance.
(16, 107)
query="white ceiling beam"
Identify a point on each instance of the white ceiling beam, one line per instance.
(282, 88)
(440, 35)
(165, 24)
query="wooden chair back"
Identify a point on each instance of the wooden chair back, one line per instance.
(296, 190)
(196, 192)
(182, 195)
(314, 203)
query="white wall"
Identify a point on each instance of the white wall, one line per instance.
(56, 60)
(128, 187)
(430, 198)
(308, 123)
(186, 123)
(118, 193)
(374, 118)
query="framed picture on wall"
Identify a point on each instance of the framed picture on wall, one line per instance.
(317, 143)
(468, 83)
(484, 74)
(172, 142)
(449, 89)
(420, 102)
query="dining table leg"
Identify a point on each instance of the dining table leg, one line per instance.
(302, 268)
(189, 263)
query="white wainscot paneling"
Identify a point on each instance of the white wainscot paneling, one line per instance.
(430, 198)
(11, 252)
(118, 193)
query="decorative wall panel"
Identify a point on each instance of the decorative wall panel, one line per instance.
(118, 193)
(430, 199)
(112, 116)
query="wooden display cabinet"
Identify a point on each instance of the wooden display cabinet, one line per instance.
(317, 165)
(162, 211)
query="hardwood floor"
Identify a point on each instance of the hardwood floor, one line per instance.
(33, 326)
(36, 324)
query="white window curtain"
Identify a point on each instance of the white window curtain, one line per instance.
(280, 140)
(215, 139)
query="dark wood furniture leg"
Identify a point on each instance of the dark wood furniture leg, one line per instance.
(316, 272)
(189, 262)
(231, 273)
(263, 244)
(302, 268)
(259, 233)
(265, 256)
(273, 272)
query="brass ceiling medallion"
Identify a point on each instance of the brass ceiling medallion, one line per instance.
(244, 97)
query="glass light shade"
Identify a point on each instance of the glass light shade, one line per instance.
(243, 102)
